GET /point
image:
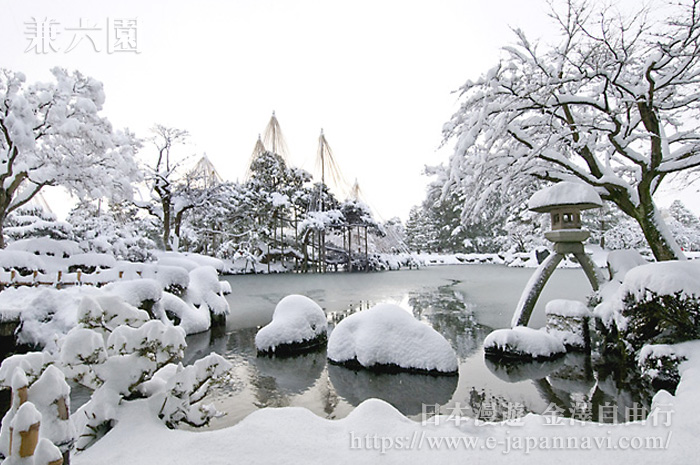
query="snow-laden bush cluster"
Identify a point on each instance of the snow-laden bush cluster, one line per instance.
(121, 355)
(179, 289)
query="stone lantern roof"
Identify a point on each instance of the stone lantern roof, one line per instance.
(578, 195)
(564, 202)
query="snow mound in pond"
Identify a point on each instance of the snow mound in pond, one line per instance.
(388, 335)
(523, 342)
(296, 319)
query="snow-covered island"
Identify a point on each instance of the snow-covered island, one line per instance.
(388, 338)
(298, 325)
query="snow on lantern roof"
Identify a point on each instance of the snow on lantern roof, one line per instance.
(565, 194)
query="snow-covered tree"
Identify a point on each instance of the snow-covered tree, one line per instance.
(613, 104)
(117, 229)
(684, 226)
(51, 133)
(34, 221)
(420, 235)
(162, 178)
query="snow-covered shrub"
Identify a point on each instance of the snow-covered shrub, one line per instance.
(298, 324)
(35, 221)
(141, 293)
(22, 262)
(204, 291)
(118, 230)
(189, 317)
(173, 279)
(130, 361)
(657, 303)
(388, 338)
(660, 364)
(185, 389)
(90, 262)
(522, 342)
(46, 246)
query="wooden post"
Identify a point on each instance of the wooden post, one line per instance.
(29, 440)
(62, 406)
(22, 394)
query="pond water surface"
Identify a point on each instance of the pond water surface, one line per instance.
(462, 302)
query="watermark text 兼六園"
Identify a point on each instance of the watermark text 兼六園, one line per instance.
(113, 35)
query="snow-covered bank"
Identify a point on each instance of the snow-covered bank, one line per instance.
(375, 431)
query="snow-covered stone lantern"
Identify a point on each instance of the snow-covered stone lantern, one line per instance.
(564, 202)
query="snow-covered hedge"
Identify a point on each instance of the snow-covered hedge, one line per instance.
(90, 262)
(388, 338)
(25, 263)
(46, 246)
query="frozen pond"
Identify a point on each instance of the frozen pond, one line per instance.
(463, 302)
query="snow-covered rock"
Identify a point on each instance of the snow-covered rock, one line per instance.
(298, 324)
(568, 321)
(387, 337)
(522, 342)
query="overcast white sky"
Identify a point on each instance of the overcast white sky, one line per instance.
(377, 76)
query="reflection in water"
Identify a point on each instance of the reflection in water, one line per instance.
(405, 391)
(445, 309)
(294, 374)
(572, 389)
(484, 389)
(516, 371)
